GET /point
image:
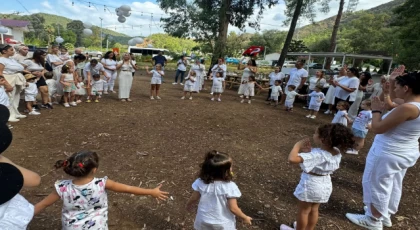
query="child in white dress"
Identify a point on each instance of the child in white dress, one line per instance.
(218, 86)
(316, 100)
(249, 90)
(68, 80)
(341, 116)
(85, 199)
(317, 164)
(97, 85)
(189, 84)
(361, 125)
(80, 91)
(276, 92)
(52, 87)
(31, 91)
(156, 81)
(290, 97)
(216, 195)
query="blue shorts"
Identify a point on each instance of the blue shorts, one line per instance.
(359, 133)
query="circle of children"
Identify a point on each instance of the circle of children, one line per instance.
(394, 150)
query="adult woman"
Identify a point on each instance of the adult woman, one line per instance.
(376, 89)
(394, 150)
(199, 69)
(318, 79)
(110, 64)
(346, 89)
(35, 65)
(53, 58)
(249, 69)
(182, 68)
(125, 77)
(354, 108)
(330, 97)
(12, 72)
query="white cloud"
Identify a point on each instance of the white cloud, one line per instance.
(46, 4)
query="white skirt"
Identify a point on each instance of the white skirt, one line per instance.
(314, 107)
(314, 189)
(188, 88)
(124, 83)
(217, 89)
(330, 97)
(242, 88)
(289, 104)
(81, 91)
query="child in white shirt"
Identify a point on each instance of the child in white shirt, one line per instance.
(218, 85)
(80, 91)
(52, 87)
(216, 194)
(341, 116)
(189, 84)
(290, 97)
(360, 127)
(249, 91)
(30, 93)
(276, 91)
(98, 85)
(315, 103)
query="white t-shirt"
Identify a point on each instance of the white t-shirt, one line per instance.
(98, 85)
(181, 65)
(213, 206)
(95, 70)
(4, 98)
(31, 66)
(134, 63)
(218, 81)
(352, 83)
(313, 81)
(363, 120)
(31, 89)
(156, 74)
(19, 58)
(53, 58)
(16, 213)
(11, 66)
(109, 63)
(276, 90)
(275, 77)
(190, 81)
(296, 76)
(290, 95)
(52, 85)
(340, 118)
(316, 98)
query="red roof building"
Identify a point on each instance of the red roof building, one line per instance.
(16, 29)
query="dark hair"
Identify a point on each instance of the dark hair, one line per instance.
(278, 81)
(292, 86)
(411, 80)
(65, 69)
(80, 57)
(368, 102)
(355, 72)
(4, 47)
(216, 166)
(94, 61)
(252, 78)
(366, 79)
(96, 75)
(253, 62)
(336, 135)
(48, 75)
(202, 61)
(79, 164)
(106, 56)
(63, 48)
(38, 58)
(320, 87)
(345, 104)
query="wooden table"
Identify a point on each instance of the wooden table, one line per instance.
(233, 79)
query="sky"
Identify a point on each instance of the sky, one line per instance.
(145, 15)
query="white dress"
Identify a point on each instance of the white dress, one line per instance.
(340, 118)
(189, 83)
(213, 211)
(244, 80)
(81, 90)
(316, 189)
(125, 80)
(16, 213)
(250, 89)
(217, 85)
(199, 73)
(330, 97)
(316, 102)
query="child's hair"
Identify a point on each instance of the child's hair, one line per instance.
(96, 76)
(345, 104)
(252, 78)
(216, 166)
(320, 87)
(336, 135)
(48, 75)
(63, 48)
(79, 164)
(277, 81)
(368, 102)
(65, 69)
(293, 87)
(218, 74)
(192, 73)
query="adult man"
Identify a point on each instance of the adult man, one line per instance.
(21, 53)
(274, 76)
(297, 76)
(159, 59)
(77, 51)
(91, 68)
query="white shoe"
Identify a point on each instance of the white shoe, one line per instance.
(285, 227)
(174, 83)
(352, 151)
(181, 84)
(33, 112)
(242, 96)
(308, 116)
(249, 101)
(211, 93)
(12, 119)
(364, 221)
(190, 98)
(182, 98)
(327, 112)
(218, 99)
(313, 117)
(386, 221)
(242, 101)
(212, 99)
(157, 97)
(66, 105)
(152, 98)
(73, 103)
(20, 116)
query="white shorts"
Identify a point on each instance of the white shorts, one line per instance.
(94, 92)
(217, 89)
(52, 93)
(188, 88)
(314, 189)
(314, 107)
(156, 81)
(274, 98)
(30, 97)
(288, 104)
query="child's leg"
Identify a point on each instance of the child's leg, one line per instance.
(304, 209)
(152, 89)
(276, 102)
(313, 216)
(315, 112)
(219, 95)
(190, 93)
(185, 93)
(29, 105)
(72, 97)
(358, 143)
(66, 97)
(157, 90)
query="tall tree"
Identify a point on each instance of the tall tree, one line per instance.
(333, 40)
(77, 27)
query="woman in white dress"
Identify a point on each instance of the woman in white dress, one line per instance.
(125, 77)
(110, 64)
(199, 69)
(354, 108)
(249, 69)
(219, 67)
(329, 98)
(53, 58)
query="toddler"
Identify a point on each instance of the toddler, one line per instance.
(52, 87)
(249, 91)
(276, 91)
(80, 91)
(341, 116)
(31, 91)
(97, 86)
(68, 79)
(315, 103)
(360, 127)
(189, 84)
(218, 85)
(290, 97)
(64, 55)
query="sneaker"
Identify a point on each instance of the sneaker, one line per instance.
(181, 84)
(174, 83)
(105, 93)
(73, 103)
(212, 99)
(305, 107)
(211, 93)
(364, 221)
(242, 96)
(313, 117)
(66, 105)
(218, 99)
(157, 97)
(249, 102)
(55, 103)
(352, 151)
(44, 106)
(11, 119)
(152, 98)
(96, 101)
(182, 98)
(308, 116)
(50, 106)
(327, 112)
(20, 116)
(78, 101)
(99, 96)
(33, 112)
(242, 101)
(190, 98)
(386, 221)
(9, 126)
(113, 91)
(88, 101)
(285, 227)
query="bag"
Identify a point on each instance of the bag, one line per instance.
(48, 67)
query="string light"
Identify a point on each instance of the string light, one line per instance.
(104, 8)
(89, 4)
(72, 3)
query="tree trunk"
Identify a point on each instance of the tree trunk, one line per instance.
(333, 41)
(290, 33)
(220, 46)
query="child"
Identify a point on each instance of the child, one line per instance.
(315, 185)
(290, 97)
(52, 87)
(360, 126)
(341, 116)
(68, 79)
(189, 84)
(5, 87)
(31, 91)
(218, 86)
(249, 91)
(156, 81)
(276, 91)
(64, 55)
(85, 199)
(80, 91)
(216, 194)
(97, 86)
(316, 99)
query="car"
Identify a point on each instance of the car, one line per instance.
(315, 66)
(336, 67)
(289, 64)
(92, 53)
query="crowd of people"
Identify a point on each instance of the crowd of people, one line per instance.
(392, 113)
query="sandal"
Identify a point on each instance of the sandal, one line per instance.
(129, 100)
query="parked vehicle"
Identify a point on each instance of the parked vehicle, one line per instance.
(232, 61)
(289, 64)
(314, 66)
(92, 53)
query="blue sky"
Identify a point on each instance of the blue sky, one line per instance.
(145, 17)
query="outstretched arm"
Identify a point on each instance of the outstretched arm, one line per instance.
(123, 188)
(233, 207)
(46, 202)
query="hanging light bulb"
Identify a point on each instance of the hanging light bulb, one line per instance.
(72, 3)
(89, 4)
(104, 8)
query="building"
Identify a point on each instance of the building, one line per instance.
(16, 29)
(272, 57)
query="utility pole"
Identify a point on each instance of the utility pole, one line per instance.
(101, 32)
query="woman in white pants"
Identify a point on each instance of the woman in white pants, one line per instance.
(126, 77)
(394, 150)
(12, 72)
(198, 68)
(110, 64)
(56, 63)
(354, 108)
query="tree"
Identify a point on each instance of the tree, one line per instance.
(272, 40)
(333, 41)
(297, 46)
(77, 27)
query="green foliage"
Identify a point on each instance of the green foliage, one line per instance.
(297, 46)
(69, 46)
(76, 27)
(174, 44)
(273, 40)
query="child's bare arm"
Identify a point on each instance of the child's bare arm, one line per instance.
(233, 207)
(195, 197)
(123, 188)
(46, 202)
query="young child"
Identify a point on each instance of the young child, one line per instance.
(98, 85)
(156, 81)
(52, 87)
(64, 55)
(360, 126)
(85, 199)
(218, 86)
(316, 99)
(290, 97)
(317, 164)
(249, 91)
(31, 91)
(189, 84)
(276, 91)
(80, 91)
(341, 116)
(216, 194)
(68, 79)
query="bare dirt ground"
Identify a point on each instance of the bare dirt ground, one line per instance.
(147, 142)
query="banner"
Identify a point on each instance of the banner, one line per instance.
(253, 50)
